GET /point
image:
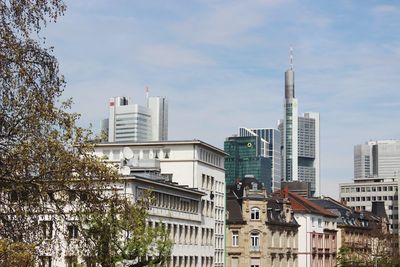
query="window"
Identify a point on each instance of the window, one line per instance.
(235, 262)
(90, 261)
(255, 241)
(235, 238)
(72, 231)
(44, 261)
(319, 223)
(255, 213)
(47, 229)
(71, 261)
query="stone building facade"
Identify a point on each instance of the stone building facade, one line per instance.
(261, 229)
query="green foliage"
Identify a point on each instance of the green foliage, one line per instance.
(44, 157)
(122, 235)
(346, 258)
(16, 254)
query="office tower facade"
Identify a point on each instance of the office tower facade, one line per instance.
(246, 157)
(273, 138)
(376, 172)
(377, 159)
(159, 118)
(130, 122)
(308, 150)
(300, 140)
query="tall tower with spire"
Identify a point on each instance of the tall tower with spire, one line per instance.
(290, 126)
(300, 138)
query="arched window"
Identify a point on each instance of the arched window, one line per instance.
(255, 241)
(255, 214)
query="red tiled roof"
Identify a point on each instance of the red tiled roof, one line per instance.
(303, 205)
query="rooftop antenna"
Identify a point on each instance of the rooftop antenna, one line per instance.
(291, 58)
(147, 95)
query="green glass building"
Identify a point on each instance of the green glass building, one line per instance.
(244, 158)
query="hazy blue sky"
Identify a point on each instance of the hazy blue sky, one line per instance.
(221, 66)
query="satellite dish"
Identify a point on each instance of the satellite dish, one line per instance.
(127, 152)
(125, 170)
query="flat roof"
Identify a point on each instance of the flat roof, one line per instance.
(160, 143)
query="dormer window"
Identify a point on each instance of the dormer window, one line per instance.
(255, 214)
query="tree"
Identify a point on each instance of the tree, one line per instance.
(16, 254)
(122, 235)
(380, 248)
(48, 174)
(47, 171)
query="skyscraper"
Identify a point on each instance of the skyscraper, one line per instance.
(246, 157)
(130, 122)
(273, 151)
(300, 139)
(377, 159)
(290, 128)
(376, 178)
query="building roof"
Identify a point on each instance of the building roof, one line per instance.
(161, 143)
(250, 188)
(303, 205)
(235, 212)
(159, 180)
(347, 216)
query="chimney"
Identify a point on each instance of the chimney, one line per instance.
(285, 192)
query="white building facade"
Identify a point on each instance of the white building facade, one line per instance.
(376, 172)
(360, 195)
(377, 159)
(192, 163)
(129, 122)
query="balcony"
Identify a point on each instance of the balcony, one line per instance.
(254, 248)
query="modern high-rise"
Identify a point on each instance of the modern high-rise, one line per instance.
(376, 172)
(300, 140)
(245, 156)
(273, 138)
(377, 158)
(129, 122)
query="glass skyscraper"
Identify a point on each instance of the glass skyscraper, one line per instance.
(273, 139)
(245, 158)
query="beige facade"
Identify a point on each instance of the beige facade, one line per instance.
(261, 230)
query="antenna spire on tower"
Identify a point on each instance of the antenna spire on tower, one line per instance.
(147, 95)
(291, 58)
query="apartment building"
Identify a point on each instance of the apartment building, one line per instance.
(261, 229)
(317, 231)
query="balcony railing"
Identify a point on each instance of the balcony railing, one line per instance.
(255, 248)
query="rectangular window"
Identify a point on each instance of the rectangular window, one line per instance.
(44, 261)
(47, 229)
(255, 241)
(72, 231)
(71, 261)
(235, 238)
(235, 262)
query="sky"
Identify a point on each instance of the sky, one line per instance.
(221, 66)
